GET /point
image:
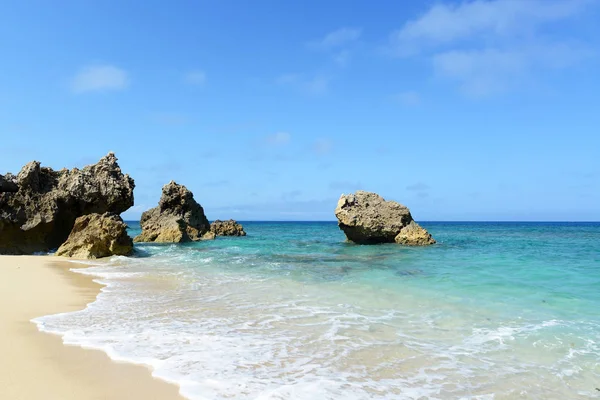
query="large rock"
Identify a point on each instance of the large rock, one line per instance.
(178, 218)
(97, 236)
(227, 228)
(366, 218)
(40, 215)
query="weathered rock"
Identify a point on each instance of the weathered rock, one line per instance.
(8, 183)
(414, 235)
(366, 218)
(40, 215)
(227, 228)
(178, 218)
(97, 236)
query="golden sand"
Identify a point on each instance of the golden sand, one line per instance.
(38, 366)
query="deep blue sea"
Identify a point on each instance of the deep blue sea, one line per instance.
(292, 311)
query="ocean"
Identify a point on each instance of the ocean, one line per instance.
(292, 311)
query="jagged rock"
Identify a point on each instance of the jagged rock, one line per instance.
(227, 228)
(366, 218)
(8, 183)
(178, 218)
(40, 215)
(97, 236)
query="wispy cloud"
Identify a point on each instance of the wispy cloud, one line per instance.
(99, 78)
(490, 46)
(338, 45)
(315, 85)
(341, 58)
(196, 77)
(337, 38)
(495, 19)
(489, 71)
(278, 139)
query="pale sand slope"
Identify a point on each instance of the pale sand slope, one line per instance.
(36, 365)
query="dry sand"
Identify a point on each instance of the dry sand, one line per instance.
(38, 366)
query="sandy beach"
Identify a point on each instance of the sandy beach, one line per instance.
(36, 365)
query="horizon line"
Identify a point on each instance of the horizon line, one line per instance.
(421, 221)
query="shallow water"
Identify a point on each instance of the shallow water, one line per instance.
(494, 310)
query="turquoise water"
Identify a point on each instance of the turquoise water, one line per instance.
(494, 310)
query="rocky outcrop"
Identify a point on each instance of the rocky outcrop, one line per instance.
(178, 218)
(40, 215)
(97, 236)
(227, 228)
(8, 183)
(366, 218)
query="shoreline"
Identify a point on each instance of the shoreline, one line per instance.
(39, 365)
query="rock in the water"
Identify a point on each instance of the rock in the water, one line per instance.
(227, 228)
(414, 235)
(97, 236)
(178, 218)
(366, 218)
(40, 215)
(8, 183)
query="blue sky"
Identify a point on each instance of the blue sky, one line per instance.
(468, 110)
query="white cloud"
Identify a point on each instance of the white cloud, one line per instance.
(99, 78)
(490, 71)
(409, 98)
(338, 44)
(338, 38)
(447, 23)
(490, 46)
(342, 58)
(314, 85)
(196, 77)
(480, 72)
(278, 139)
